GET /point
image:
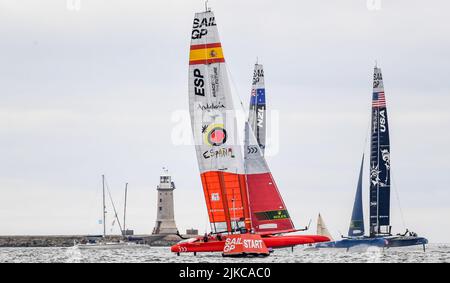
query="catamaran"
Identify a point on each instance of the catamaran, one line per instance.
(246, 212)
(380, 185)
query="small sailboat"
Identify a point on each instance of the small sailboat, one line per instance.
(102, 242)
(237, 212)
(322, 228)
(380, 185)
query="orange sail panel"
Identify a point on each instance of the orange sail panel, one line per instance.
(213, 123)
(224, 199)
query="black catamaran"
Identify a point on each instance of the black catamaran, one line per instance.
(380, 172)
(380, 164)
(380, 233)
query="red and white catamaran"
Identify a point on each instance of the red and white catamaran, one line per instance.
(245, 209)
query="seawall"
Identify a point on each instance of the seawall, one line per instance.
(70, 240)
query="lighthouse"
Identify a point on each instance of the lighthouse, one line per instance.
(165, 216)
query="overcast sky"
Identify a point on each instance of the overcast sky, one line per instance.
(91, 89)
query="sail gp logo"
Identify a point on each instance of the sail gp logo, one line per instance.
(257, 75)
(232, 243)
(199, 29)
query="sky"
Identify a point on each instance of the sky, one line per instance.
(97, 87)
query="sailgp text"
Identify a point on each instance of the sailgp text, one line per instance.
(200, 27)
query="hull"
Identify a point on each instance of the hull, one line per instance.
(350, 243)
(405, 241)
(271, 242)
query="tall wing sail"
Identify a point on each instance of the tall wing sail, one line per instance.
(357, 222)
(257, 112)
(213, 124)
(268, 211)
(380, 182)
(322, 229)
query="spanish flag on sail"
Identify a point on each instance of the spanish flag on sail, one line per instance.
(206, 54)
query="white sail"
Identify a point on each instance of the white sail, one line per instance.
(322, 229)
(214, 129)
(210, 101)
(257, 109)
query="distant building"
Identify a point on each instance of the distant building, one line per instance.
(128, 232)
(165, 219)
(192, 232)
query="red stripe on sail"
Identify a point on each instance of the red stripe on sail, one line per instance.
(206, 61)
(204, 46)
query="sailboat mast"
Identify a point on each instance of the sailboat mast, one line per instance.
(104, 206)
(225, 202)
(125, 209)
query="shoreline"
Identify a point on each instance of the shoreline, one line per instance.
(17, 241)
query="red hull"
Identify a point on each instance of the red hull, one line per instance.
(214, 245)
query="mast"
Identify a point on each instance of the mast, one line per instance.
(380, 181)
(104, 206)
(225, 202)
(115, 212)
(125, 209)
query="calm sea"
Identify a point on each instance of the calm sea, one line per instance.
(434, 253)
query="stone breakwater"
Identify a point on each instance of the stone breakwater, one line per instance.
(69, 241)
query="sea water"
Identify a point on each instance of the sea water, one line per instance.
(147, 254)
